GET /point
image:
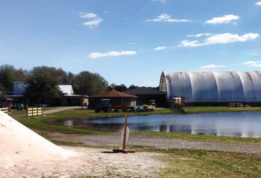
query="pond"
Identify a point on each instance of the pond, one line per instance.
(239, 124)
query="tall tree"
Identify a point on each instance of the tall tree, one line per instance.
(42, 89)
(8, 74)
(87, 83)
(59, 74)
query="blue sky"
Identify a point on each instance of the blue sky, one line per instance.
(131, 41)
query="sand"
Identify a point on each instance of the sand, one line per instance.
(23, 153)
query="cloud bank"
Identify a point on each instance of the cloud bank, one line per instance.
(223, 38)
(226, 19)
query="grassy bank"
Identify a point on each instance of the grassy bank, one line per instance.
(206, 138)
(43, 126)
(91, 114)
(204, 109)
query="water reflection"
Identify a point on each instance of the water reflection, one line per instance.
(239, 124)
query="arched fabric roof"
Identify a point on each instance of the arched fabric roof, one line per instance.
(212, 86)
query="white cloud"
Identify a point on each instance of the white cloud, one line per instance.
(187, 43)
(92, 23)
(223, 20)
(253, 63)
(199, 35)
(92, 19)
(162, 1)
(166, 18)
(258, 3)
(112, 53)
(87, 15)
(212, 66)
(160, 48)
(230, 38)
(223, 38)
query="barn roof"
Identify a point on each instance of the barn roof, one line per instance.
(113, 94)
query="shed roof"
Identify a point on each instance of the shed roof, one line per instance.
(113, 94)
(66, 89)
(144, 91)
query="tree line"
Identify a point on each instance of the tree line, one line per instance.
(42, 83)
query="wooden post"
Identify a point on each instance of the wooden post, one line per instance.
(124, 133)
(123, 149)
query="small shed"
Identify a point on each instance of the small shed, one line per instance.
(146, 95)
(71, 99)
(116, 97)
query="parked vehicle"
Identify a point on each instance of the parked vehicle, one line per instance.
(123, 108)
(105, 106)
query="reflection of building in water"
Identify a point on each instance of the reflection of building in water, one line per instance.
(176, 128)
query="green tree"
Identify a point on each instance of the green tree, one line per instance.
(42, 88)
(87, 83)
(60, 75)
(8, 74)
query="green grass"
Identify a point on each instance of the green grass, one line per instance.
(192, 163)
(91, 114)
(203, 109)
(42, 125)
(194, 137)
(16, 112)
(203, 163)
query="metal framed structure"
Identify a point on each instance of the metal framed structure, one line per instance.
(213, 86)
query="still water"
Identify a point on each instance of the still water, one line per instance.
(239, 124)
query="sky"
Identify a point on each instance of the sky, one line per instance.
(131, 41)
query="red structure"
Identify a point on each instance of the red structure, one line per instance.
(116, 98)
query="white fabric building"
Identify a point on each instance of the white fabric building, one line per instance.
(211, 87)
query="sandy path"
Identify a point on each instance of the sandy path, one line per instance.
(158, 142)
(87, 161)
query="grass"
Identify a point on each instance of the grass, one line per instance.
(209, 138)
(203, 163)
(203, 109)
(91, 114)
(191, 163)
(42, 125)
(16, 112)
